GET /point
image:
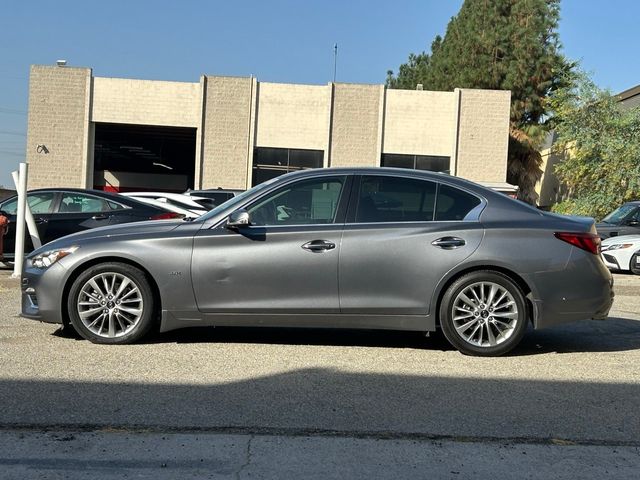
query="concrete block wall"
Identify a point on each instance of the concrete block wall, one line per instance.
(355, 126)
(483, 135)
(292, 116)
(352, 123)
(146, 102)
(59, 106)
(226, 129)
(419, 122)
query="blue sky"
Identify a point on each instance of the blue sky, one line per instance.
(278, 41)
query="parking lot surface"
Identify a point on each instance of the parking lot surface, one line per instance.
(566, 397)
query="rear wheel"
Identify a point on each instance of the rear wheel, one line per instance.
(111, 303)
(634, 265)
(484, 313)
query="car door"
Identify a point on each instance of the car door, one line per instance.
(41, 205)
(402, 235)
(77, 212)
(631, 224)
(286, 261)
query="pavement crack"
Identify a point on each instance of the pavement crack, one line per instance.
(247, 460)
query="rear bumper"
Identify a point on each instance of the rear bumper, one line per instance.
(583, 291)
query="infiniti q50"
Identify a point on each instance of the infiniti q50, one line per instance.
(370, 248)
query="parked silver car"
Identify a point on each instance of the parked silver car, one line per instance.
(340, 248)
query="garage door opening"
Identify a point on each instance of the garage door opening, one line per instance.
(141, 157)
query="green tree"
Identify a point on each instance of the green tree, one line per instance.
(600, 141)
(503, 45)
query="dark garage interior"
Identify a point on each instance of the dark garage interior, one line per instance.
(144, 157)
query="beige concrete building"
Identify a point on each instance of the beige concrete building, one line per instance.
(234, 132)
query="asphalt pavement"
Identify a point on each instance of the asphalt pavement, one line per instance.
(237, 403)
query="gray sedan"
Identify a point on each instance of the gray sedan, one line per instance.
(331, 248)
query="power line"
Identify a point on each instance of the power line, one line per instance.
(12, 111)
(9, 132)
(15, 154)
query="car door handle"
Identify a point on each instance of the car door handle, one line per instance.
(319, 246)
(99, 217)
(448, 243)
(40, 221)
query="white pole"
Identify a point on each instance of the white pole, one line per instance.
(31, 223)
(22, 203)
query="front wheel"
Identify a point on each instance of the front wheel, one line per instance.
(634, 265)
(484, 313)
(111, 303)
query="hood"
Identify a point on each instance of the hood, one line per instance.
(135, 228)
(621, 239)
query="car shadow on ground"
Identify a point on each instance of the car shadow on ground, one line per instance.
(611, 335)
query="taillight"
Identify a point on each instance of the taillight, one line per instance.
(586, 241)
(165, 216)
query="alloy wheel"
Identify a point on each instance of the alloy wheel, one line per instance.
(110, 304)
(485, 314)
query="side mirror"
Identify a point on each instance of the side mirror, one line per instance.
(238, 219)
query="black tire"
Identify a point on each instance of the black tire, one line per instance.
(123, 332)
(634, 266)
(490, 323)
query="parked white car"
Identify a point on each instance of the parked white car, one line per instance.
(622, 253)
(178, 200)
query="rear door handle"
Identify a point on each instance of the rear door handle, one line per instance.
(448, 243)
(319, 246)
(39, 221)
(100, 217)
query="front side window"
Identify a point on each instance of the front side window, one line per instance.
(80, 203)
(395, 199)
(39, 203)
(302, 203)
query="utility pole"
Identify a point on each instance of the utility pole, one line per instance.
(335, 61)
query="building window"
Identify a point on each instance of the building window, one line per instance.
(272, 162)
(416, 162)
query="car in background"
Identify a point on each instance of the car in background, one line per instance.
(368, 248)
(183, 202)
(622, 253)
(60, 212)
(187, 214)
(624, 220)
(213, 196)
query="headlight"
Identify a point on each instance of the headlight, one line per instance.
(46, 259)
(618, 246)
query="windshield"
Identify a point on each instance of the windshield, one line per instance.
(619, 214)
(235, 200)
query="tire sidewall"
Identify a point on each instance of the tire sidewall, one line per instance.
(633, 268)
(446, 314)
(138, 277)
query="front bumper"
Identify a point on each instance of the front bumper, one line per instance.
(42, 293)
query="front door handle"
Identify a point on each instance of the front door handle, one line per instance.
(319, 246)
(448, 243)
(40, 221)
(99, 216)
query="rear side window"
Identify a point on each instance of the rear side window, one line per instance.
(395, 199)
(80, 203)
(454, 204)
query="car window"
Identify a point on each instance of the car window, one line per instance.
(301, 203)
(218, 197)
(395, 199)
(454, 204)
(619, 214)
(39, 203)
(81, 203)
(115, 206)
